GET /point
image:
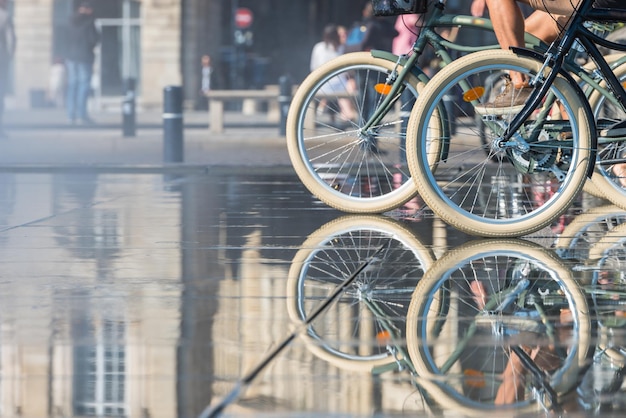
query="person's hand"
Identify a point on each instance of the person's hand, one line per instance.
(478, 8)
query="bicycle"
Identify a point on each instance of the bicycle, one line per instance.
(538, 156)
(359, 166)
(379, 324)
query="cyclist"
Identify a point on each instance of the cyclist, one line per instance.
(546, 23)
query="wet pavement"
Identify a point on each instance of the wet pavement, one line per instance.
(137, 288)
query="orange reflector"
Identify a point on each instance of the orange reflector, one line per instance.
(474, 378)
(382, 88)
(383, 337)
(473, 94)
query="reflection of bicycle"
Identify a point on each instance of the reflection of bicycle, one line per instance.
(376, 303)
(587, 229)
(508, 301)
(359, 165)
(526, 290)
(549, 142)
(606, 266)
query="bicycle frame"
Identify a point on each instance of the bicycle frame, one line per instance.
(428, 36)
(555, 59)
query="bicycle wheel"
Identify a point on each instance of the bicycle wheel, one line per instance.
(609, 179)
(503, 294)
(536, 175)
(374, 307)
(348, 168)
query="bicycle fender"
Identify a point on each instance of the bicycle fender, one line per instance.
(524, 52)
(388, 56)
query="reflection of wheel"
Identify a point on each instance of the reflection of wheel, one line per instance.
(536, 175)
(586, 229)
(372, 308)
(501, 295)
(606, 181)
(607, 257)
(348, 168)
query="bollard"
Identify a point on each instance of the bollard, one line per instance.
(128, 109)
(173, 124)
(284, 100)
(448, 103)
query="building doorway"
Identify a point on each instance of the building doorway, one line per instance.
(118, 58)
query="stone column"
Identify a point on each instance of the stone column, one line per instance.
(33, 27)
(160, 47)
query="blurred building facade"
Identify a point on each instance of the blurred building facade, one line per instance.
(160, 43)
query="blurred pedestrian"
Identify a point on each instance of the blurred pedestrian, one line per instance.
(7, 50)
(56, 83)
(82, 39)
(371, 32)
(206, 82)
(207, 72)
(325, 50)
(343, 36)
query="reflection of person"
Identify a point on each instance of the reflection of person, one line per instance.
(7, 49)
(544, 356)
(82, 39)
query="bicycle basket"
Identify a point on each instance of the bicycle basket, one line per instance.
(398, 7)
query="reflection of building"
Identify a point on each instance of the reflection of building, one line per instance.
(90, 337)
(139, 303)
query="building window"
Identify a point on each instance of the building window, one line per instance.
(119, 55)
(99, 388)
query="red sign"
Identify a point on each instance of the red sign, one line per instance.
(243, 18)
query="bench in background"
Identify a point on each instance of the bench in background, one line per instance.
(251, 101)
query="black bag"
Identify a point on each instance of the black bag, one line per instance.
(398, 7)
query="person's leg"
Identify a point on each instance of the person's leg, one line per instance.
(508, 22)
(70, 97)
(544, 25)
(83, 89)
(508, 25)
(554, 7)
